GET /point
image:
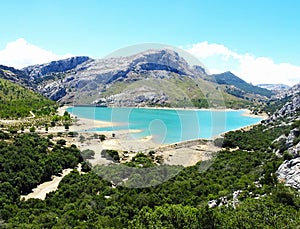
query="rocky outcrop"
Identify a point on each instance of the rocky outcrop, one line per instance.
(36, 71)
(226, 201)
(142, 96)
(289, 173)
(288, 111)
(14, 75)
(54, 91)
(291, 92)
(84, 80)
(289, 170)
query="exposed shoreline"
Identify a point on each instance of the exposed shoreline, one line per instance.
(189, 153)
(247, 112)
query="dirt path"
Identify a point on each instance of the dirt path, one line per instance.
(41, 190)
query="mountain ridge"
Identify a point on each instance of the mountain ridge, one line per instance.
(83, 80)
(228, 78)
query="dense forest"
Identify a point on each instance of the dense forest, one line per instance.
(184, 201)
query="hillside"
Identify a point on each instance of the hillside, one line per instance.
(152, 77)
(15, 75)
(17, 101)
(260, 192)
(239, 87)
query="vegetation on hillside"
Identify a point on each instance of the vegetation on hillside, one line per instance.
(18, 102)
(181, 92)
(90, 201)
(240, 85)
(199, 196)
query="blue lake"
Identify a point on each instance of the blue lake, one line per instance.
(167, 125)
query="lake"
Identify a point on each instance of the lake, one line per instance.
(168, 125)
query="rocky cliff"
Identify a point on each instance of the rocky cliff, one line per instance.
(111, 81)
(36, 71)
(289, 114)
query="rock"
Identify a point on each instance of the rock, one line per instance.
(294, 151)
(54, 91)
(141, 96)
(289, 173)
(212, 203)
(36, 71)
(85, 79)
(289, 110)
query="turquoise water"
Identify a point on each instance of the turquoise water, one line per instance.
(167, 125)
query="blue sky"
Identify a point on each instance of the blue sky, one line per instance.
(236, 35)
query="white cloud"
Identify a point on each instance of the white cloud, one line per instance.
(20, 53)
(219, 58)
(204, 50)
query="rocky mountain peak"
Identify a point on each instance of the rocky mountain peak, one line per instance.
(35, 71)
(150, 60)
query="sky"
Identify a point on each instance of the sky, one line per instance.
(258, 40)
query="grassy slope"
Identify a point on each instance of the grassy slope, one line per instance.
(184, 92)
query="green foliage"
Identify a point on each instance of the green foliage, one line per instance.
(261, 213)
(17, 102)
(32, 129)
(4, 135)
(141, 160)
(27, 161)
(258, 138)
(111, 155)
(200, 103)
(173, 216)
(87, 154)
(141, 194)
(230, 79)
(61, 142)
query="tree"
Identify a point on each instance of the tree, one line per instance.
(32, 129)
(61, 142)
(67, 126)
(87, 154)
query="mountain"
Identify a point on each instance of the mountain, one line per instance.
(238, 188)
(152, 77)
(14, 75)
(274, 87)
(38, 71)
(238, 87)
(242, 186)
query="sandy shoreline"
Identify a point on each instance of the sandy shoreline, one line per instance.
(81, 124)
(185, 153)
(122, 140)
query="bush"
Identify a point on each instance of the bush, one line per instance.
(111, 155)
(32, 129)
(87, 154)
(61, 142)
